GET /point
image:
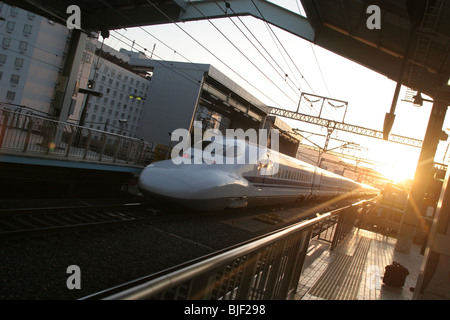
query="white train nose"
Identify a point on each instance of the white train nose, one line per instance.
(163, 181)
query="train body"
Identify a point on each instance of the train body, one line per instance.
(235, 173)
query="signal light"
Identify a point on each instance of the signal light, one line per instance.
(90, 84)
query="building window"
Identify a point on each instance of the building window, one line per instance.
(86, 57)
(6, 42)
(10, 26)
(23, 45)
(15, 79)
(27, 29)
(2, 58)
(18, 63)
(14, 11)
(10, 95)
(30, 15)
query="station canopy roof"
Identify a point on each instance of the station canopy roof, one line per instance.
(339, 26)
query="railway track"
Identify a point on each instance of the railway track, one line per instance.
(32, 222)
(38, 244)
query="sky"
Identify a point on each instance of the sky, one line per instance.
(309, 69)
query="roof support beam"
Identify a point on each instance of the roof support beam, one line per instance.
(261, 9)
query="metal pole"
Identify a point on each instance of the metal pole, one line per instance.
(423, 174)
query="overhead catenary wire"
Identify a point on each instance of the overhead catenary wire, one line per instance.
(209, 51)
(283, 74)
(193, 38)
(239, 50)
(287, 53)
(276, 40)
(162, 62)
(271, 31)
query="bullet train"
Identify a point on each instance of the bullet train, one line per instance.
(232, 173)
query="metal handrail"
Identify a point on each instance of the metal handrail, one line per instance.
(28, 134)
(197, 276)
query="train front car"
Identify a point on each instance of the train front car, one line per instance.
(207, 176)
(230, 173)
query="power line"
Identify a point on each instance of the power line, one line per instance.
(210, 52)
(163, 62)
(284, 75)
(191, 38)
(287, 53)
(239, 50)
(320, 70)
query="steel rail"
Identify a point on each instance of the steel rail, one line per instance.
(61, 223)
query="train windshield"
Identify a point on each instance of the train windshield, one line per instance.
(214, 148)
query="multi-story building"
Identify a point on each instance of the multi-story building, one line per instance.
(123, 90)
(140, 97)
(31, 55)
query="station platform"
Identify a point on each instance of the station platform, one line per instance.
(355, 269)
(40, 177)
(63, 162)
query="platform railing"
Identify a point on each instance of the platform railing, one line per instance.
(31, 135)
(266, 268)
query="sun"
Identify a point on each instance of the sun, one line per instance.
(397, 163)
(396, 173)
